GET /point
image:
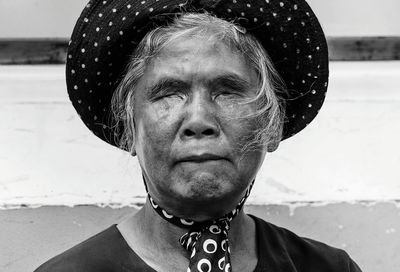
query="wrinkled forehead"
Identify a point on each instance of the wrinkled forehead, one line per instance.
(200, 55)
(205, 45)
(197, 62)
(199, 59)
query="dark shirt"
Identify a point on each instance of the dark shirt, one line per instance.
(279, 250)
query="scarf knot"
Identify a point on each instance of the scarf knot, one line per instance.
(207, 241)
(216, 227)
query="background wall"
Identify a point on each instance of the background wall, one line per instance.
(348, 153)
(56, 18)
(337, 181)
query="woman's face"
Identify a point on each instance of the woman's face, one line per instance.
(189, 130)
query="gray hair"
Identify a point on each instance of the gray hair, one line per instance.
(270, 106)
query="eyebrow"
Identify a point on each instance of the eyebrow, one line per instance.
(232, 81)
(227, 80)
(165, 84)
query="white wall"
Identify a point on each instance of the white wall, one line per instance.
(56, 18)
(351, 152)
(358, 17)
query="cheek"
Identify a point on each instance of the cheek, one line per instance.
(239, 123)
(236, 110)
(156, 126)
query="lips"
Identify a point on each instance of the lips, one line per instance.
(201, 158)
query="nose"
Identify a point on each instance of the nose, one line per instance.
(199, 119)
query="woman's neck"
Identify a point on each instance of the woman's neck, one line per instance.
(150, 236)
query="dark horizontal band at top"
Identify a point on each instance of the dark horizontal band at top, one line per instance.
(53, 51)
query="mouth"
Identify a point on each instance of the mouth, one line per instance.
(206, 157)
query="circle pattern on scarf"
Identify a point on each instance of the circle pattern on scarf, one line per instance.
(204, 265)
(221, 263)
(210, 246)
(215, 229)
(223, 245)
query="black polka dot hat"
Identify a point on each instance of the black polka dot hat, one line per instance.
(107, 32)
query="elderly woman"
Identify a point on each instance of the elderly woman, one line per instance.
(199, 91)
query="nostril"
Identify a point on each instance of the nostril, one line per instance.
(188, 133)
(208, 132)
(192, 133)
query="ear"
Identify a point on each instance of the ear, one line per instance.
(132, 148)
(273, 145)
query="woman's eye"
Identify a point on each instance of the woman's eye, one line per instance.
(227, 93)
(173, 95)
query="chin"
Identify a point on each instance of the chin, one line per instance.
(207, 188)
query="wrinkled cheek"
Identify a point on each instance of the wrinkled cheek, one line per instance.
(151, 156)
(149, 140)
(154, 135)
(251, 164)
(243, 123)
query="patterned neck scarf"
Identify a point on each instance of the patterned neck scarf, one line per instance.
(207, 241)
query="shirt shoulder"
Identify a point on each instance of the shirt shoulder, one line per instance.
(106, 251)
(291, 252)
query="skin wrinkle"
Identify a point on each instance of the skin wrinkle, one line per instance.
(205, 26)
(242, 145)
(168, 85)
(245, 87)
(204, 186)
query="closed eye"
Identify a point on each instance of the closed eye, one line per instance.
(228, 93)
(167, 88)
(230, 85)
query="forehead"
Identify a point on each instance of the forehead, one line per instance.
(197, 59)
